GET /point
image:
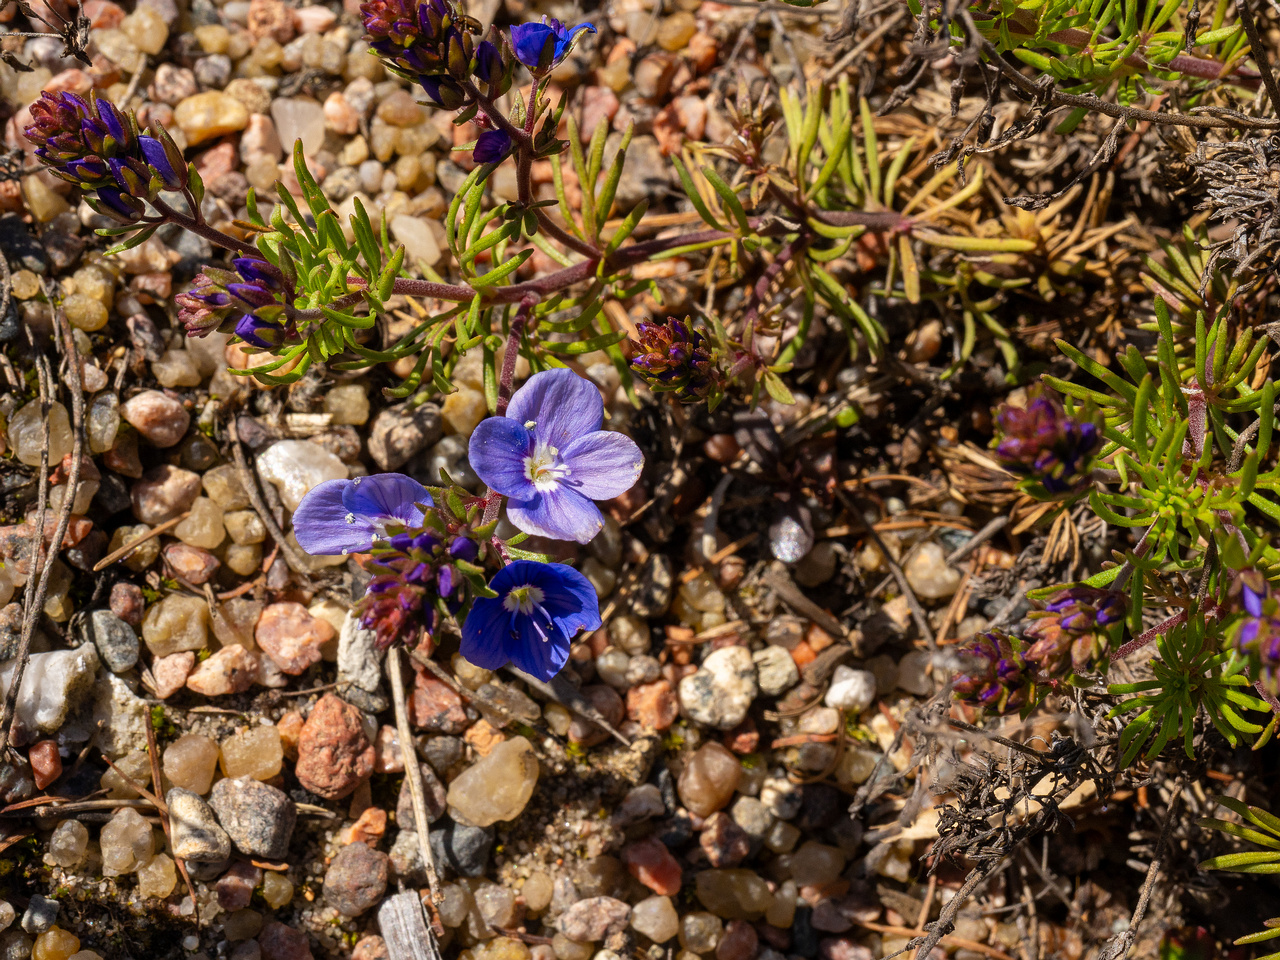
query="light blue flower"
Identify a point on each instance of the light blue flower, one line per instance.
(550, 458)
(346, 516)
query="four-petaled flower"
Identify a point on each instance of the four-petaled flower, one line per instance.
(540, 46)
(346, 516)
(550, 458)
(539, 608)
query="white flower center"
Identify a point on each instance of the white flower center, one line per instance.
(524, 599)
(544, 468)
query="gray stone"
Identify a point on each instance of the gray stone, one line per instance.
(359, 661)
(116, 641)
(196, 835)
(406, 858)
(356, 879)
(752, 816)
(593, 919)
(463, 849)
(258, 817)
(720, 693)
(41, 914)
(399, 432)
(207, 872)
(123, 716)
(776, 671)
(213, 71)
(435, 791)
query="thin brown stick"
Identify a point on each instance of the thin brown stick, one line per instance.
(34, 598)
(1258, 47)
(413, 774)
(248, 480)
(134, 544)
(162, 808)
(1118, 947)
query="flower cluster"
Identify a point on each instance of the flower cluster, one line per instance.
(1044, 444)
(431, 43)
(1258, 633)
(674, 357)
(550, 458)
(245, 302)
(996, 675)
(1068, 628)
(99, 149)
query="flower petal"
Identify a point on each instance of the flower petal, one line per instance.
(389, 495)
(529, 41)
(320, 523)
(561, 514)
(485, 633)
(602, 464)
(497, 451)
(563, 405)
(541, 655)
(569, 597)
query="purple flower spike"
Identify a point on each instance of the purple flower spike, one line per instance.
(491, 146)
(346, 516)
(550, 458)
(539, 608)
(540, 46)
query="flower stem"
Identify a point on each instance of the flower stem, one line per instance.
(514, 336)
(197, 226)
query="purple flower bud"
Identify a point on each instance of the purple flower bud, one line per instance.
(259, 333)
(159, 158)
(994, 673)
(673, 357)
(464, 548)
(1045, 445)
(492, 146)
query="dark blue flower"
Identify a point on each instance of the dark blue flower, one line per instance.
(550, 458)
(491, 146)
(530, 624)
(488, 61)
(346, 516)
(258, 271)
(540, 46)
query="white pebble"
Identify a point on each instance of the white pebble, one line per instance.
(851, 689)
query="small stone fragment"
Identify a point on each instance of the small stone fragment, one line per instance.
(196, 835)
(295, 466)
(163, 493)
(279, 942)
(851, 689)
(256, 752)
(126, 842)
(115, 640)
(928, 573)
(709, 779)
(232, 669)
(334, 752)
(593, 919)
(721, 691)
(171, 672)
(158, 877)
(725, 843)
(356, 879)
(655, 918)
(189, 762)
(257, 817)
(161, 419)
(41, 914)
(497, 787)
(291, 636)
(650, 862)
(68, 845)
(46, 765)
(236, 886)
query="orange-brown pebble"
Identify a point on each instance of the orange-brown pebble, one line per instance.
(368, 829)
(650, 862)
(46, 764)
(653, 705)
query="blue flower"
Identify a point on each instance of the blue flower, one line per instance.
(346, 516)
(540, 46)
(491, 146)
(550, 458)
(539, 608)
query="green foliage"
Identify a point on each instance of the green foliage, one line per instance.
(1263, 829)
